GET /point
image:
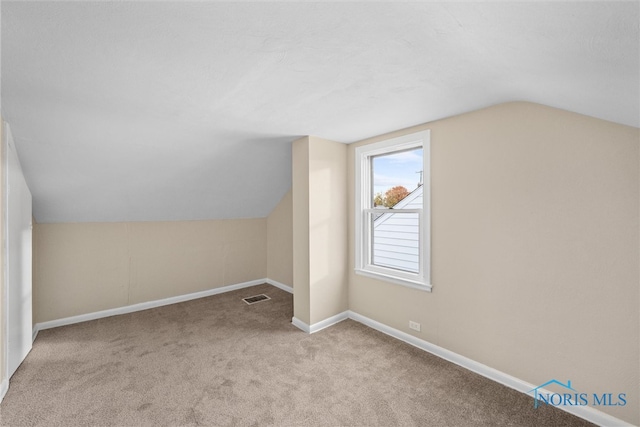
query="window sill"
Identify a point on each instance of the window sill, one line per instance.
(396, 280)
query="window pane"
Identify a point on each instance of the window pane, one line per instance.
(397, 184)
(395, 176)
(392, 234)
(395, 240)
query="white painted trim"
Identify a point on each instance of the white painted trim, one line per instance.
(397, 280)
(363, 190)
(300, 325)
(330, 321)
(588, 413)
(34, 335)
(4, 387)
(282, 286)
(145, 305)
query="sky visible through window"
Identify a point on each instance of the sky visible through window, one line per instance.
(400, 168)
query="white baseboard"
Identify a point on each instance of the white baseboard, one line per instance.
(330, 321)
(588, 413)
(144, 305)
(280, 285)
(300, 325)
(4, 387)
(34, 334)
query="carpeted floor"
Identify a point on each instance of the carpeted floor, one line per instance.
(217, 361)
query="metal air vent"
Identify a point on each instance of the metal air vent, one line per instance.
(255, 299)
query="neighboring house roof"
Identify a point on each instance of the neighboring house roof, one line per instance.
(396, 236)
(413, 200)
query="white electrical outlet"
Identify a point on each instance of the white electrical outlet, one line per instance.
(414, 325)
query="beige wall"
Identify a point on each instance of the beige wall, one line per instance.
(319, 229)
(327, 228)
(300, 214)
(535, 248)
(280, 242)
(83, 268)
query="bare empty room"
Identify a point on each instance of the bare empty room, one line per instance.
(320, 213)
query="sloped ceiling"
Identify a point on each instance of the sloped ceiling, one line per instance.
(135, 111)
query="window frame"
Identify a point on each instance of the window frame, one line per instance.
(364, 209)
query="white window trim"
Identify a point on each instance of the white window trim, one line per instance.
(363, 266)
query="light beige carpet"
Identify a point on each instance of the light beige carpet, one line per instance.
(219, 362)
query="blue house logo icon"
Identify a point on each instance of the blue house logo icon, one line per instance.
(538, 395)
(567, 398)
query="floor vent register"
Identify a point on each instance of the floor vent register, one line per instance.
(255, 299)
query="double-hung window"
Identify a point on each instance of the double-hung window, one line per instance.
(393, 210)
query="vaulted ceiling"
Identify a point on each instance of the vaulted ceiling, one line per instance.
(135, 111)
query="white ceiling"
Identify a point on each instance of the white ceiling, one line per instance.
(135, 111)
